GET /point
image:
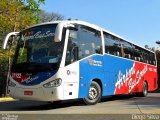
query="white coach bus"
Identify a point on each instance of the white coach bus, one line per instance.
(64, 60)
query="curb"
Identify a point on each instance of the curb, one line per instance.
(6, 99)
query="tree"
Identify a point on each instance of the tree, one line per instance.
(150, 48)
(34, 7)
(146, 46)
(47, 16)
(158, 42)
(17, 16)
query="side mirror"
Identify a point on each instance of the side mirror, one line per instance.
(59, 30)
(7, 38)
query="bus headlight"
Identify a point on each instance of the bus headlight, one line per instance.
(12, 84)
(54, 83)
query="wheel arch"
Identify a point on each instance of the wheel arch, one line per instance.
(145, 81)
(99, 82)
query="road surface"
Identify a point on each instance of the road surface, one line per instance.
(114, 107)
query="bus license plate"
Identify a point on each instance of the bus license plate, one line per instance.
(28, 92)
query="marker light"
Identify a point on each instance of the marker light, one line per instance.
(54, 83)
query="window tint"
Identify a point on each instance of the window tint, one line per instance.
(83, 42)
(145, 56)
(127, 49)
(152, 59)
(112, 45)
(138, 54)
(122, 48)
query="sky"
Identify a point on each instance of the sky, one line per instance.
(135, 20)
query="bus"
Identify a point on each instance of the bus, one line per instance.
(73, 59)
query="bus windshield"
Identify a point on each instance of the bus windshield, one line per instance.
(36, 50)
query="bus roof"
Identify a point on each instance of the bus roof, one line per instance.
(89, 25)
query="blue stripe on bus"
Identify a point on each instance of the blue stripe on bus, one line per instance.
(104, 68)
(38, 78)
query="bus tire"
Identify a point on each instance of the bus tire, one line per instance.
(144, 93)
(94, 94)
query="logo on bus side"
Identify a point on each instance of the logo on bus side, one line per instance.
(95, 62)
(131, 78)
(38, 34)
(71, 72)
(29, 79)
(152, 69)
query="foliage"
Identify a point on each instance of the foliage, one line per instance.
(33, 5)
(15, 17)
(47, 16)
(150, 48)
(158, 42)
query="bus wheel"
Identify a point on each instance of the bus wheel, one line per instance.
(94, 94)
(144, 93)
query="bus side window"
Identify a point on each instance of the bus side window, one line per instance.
(127, 56)
(112, 45)
(152, 57)
(83, 42)
(126, 49)
(72, 48)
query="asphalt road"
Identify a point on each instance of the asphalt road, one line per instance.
(126, 107)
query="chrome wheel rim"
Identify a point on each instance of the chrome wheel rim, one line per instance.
(145, 89)
(93, 93)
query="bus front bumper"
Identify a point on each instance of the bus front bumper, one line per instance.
(35, 94)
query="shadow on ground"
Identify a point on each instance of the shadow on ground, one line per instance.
(156, 91)
(151, 100)
(38, 106)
